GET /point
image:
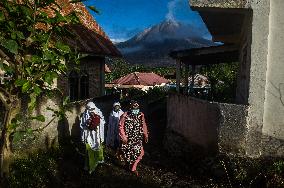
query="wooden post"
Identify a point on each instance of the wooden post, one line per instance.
(192, 79)
(186, 78)
(178, 75)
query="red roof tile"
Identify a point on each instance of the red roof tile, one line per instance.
(146, 79)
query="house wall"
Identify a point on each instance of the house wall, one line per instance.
(264, 71)
(58, 131)
(259, 52)
(207, 127)
(273, 120)
(94, 66)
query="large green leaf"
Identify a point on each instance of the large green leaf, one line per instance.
(2, 16)
(18, 136)
(20, 82)
(37, 90)
(11, 45)
(40, 118)
(20, 35)
(32, 103)
(26, 87)
(49, 77)
(62, 47)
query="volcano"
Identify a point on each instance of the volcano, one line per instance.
(152, 46)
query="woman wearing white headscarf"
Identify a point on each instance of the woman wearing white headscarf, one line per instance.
(92, 137)
(112, 138)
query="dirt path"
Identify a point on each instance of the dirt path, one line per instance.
(157, 169)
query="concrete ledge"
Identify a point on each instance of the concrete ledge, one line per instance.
(219, 3)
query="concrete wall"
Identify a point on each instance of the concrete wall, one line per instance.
(259, 52)
(262, 73)
(58, 131)
(273, 121)
(211, 127)
(220, 3)
(195, 119)
(232, 129)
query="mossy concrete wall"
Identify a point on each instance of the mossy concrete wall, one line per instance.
(58, 130)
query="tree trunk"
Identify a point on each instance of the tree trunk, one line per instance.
(3, 142)
(5, 145)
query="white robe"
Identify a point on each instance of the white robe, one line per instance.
(93, 137)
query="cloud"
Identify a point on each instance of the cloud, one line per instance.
(118, 40)
(172, 6)
(119, 33)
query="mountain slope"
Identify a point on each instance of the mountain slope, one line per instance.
(152, 46)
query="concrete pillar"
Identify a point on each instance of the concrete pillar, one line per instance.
(259, 54)
(273, 121)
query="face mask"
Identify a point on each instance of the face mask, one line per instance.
(135, 111)
(116, 109)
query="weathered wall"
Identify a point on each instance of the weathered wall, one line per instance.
(195, 119)
(94, 66)
(232, 128)
(259, 52)
(220, 3)
(211, 127)
(273, 121)
(59, 130)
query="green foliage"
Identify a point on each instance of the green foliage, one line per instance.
(33, 52)
(223, 80)
(36, 170)
(278, 167)
(120, 68)
(156, 93)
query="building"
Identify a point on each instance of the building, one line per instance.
(91, 40)
(254, 126)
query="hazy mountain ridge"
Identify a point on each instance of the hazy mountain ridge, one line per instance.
(152, 46)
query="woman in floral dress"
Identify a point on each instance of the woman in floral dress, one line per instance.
(132, 132)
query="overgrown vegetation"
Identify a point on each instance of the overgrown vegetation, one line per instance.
(120, 68)
(32, 55)
(222, 77)
(54, 169)
(223, 81)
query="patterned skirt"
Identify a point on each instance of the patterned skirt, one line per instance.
(134, 132)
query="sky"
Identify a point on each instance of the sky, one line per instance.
(123, 19)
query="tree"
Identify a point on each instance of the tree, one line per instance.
(223, 81)
(32, 55)
(119, 68)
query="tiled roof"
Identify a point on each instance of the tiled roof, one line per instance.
(89, 37)
(145, 79)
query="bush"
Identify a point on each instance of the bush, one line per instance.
(36, 170)
(156, 93)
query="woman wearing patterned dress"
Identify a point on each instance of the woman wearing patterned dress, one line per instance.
(132, 132)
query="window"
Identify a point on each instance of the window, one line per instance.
(84, 86)
(78, 85)
(73, 85)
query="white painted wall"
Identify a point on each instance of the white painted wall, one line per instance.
(273, 122)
